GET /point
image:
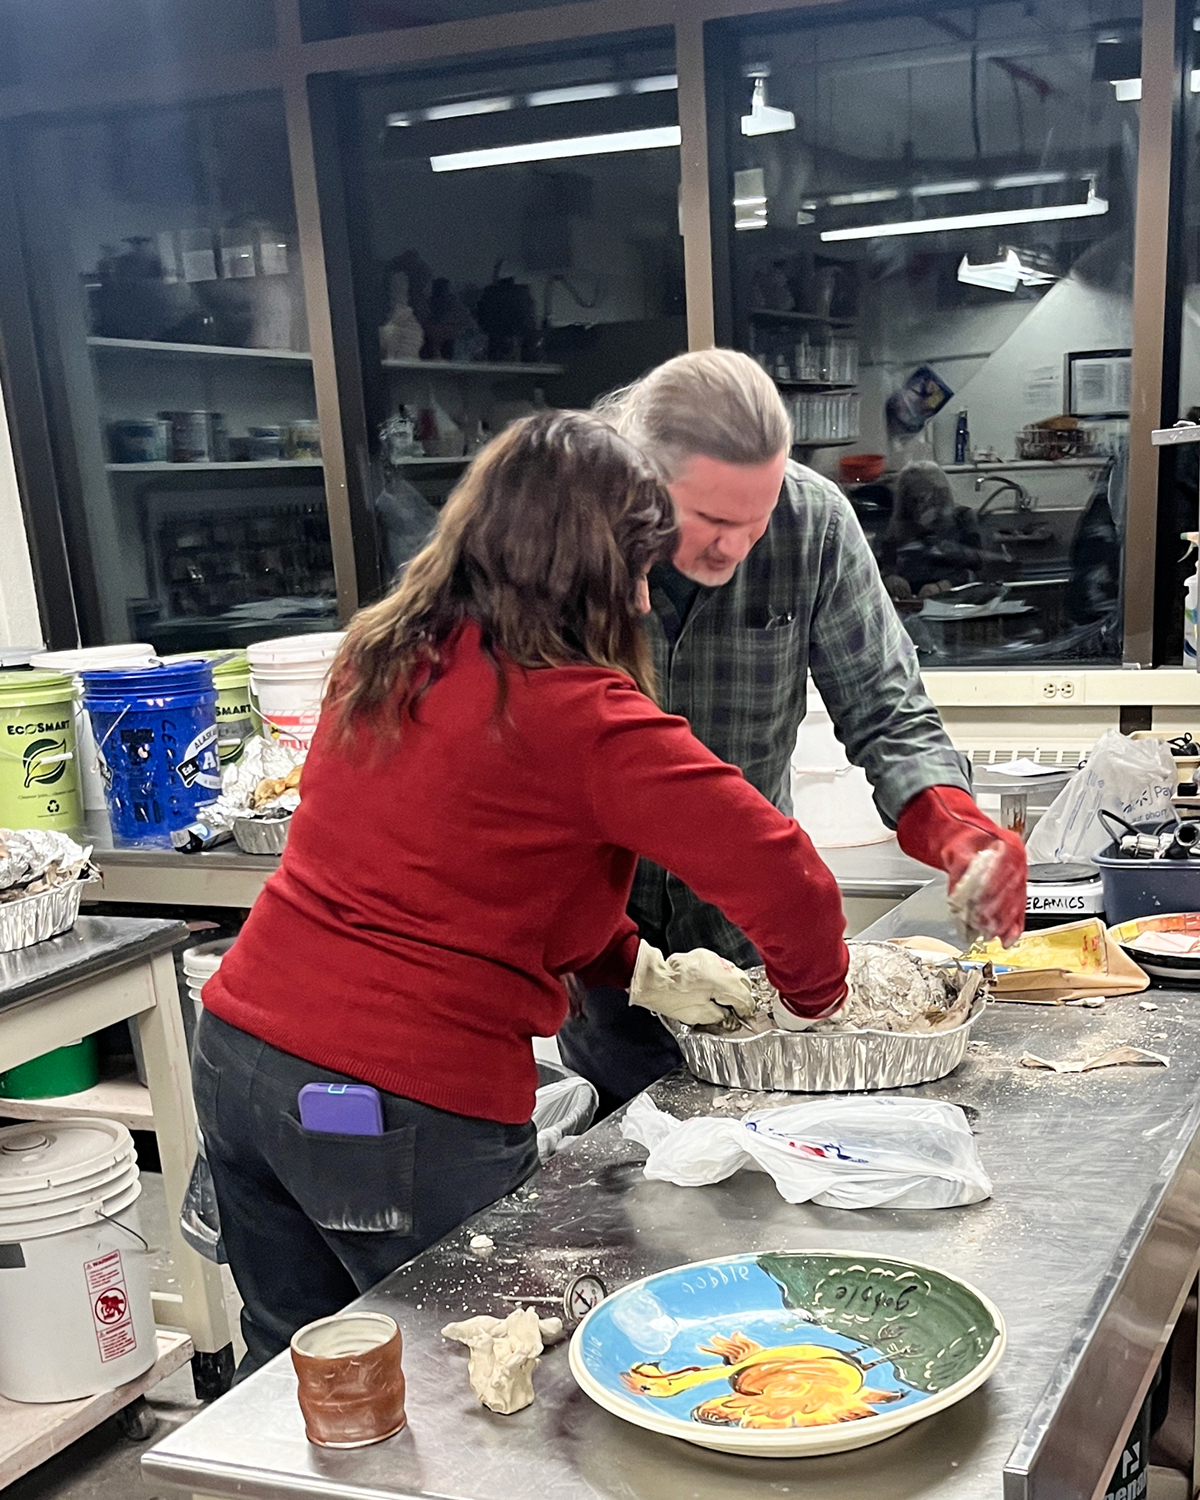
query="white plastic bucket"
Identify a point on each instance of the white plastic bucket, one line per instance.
(76, 1317)
(200, 964)
(287, 681)
(831, 799)
(91, 659)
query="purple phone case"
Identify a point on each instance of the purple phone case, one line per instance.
(341, 1108)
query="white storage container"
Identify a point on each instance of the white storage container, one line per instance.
(76, 1317)
(287, 682)
(92, 659)
(831, 799)
(200, 964)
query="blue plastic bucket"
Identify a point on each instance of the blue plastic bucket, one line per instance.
(156, 733)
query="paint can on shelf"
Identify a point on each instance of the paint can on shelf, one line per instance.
(91, 658)
(75, 1301)
(39, 784)
(287, 680)
(156, 740)
(191, 436)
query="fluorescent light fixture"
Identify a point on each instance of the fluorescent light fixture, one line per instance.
(661, 83)
(749, 199)
(1094, 206)
(868, 195)
(945, 189)
(649, 139)
(1030, 179)
(1002, 275)
(494, 106)
(763, 118)
(573, 94)
(1014, 268)
(407, 118)
(1129, 90)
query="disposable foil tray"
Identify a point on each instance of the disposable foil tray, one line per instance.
(823, 1062)
(261, 835)
(32, 919)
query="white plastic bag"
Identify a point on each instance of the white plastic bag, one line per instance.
(1133, 778)
(562, 1109)
(837, 1151)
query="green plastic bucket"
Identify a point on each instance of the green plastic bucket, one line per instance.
(66, 1070)
(39, 776)
(237, 719)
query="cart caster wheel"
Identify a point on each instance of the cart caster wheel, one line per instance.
(137, 1421)
(212, 1374)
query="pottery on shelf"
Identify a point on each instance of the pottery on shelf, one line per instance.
(402, 336)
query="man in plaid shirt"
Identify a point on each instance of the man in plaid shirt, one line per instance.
(774, 579)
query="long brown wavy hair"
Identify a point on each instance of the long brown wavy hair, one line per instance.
(542, 544)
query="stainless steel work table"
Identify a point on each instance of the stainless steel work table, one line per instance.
(1088, 1245)
(162, 877)
(874, 875)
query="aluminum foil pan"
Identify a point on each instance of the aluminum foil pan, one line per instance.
(261, 835)
(33, 919)
(823, 1062)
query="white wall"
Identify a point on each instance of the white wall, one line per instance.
(19, 622)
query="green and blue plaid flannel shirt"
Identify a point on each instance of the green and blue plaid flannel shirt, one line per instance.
(808, 598)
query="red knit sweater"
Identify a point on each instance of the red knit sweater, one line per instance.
(436, 887)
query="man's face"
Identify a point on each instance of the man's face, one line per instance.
(722, 510)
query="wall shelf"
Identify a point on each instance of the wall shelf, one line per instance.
(419, 460)
(810, 443)
(218, 351)
(814, 385)
(207, 468)
(779, 315)
(470, 367)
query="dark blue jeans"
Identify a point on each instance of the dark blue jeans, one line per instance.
(311, 1220)
(621, 1048)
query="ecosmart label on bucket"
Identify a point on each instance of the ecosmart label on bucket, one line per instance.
(109, 1297)
(39, 785)
(199, 766)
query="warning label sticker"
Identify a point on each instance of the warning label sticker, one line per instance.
(110, 1306)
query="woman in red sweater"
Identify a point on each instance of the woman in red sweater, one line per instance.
(489, 765)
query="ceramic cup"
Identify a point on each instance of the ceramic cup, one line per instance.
(351, 1385)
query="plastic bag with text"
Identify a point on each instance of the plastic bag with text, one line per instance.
(1134, 778)
(839, 1152)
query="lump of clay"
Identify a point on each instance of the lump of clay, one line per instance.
(504, 1355)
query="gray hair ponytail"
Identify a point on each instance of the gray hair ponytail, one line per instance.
(713, 402)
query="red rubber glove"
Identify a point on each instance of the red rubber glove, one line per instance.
(942, 826)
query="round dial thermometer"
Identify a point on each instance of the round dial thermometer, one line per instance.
(581, 1295)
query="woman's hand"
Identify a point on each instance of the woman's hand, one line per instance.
(787, 1020)
(697, 988)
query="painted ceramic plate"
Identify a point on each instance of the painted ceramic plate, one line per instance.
(1166, 946)
(787, 1354)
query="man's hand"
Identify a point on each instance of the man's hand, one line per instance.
(942, 826)
(697, 988)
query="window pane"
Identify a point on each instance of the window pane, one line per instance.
(931, 221)
(519, 247)
(1178, 517)
(326, 18)
(43, 41)
(173, 339)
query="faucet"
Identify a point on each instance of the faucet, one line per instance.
(1025, 501)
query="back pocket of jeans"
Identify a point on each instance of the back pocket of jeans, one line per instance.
(361, 1184)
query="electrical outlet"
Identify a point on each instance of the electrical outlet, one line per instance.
(1060, 689)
